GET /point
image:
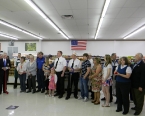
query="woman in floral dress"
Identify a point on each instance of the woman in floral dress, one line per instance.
(96, 80)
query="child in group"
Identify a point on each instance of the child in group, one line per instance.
(46, 68)
(52, 82)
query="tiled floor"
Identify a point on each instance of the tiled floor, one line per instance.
(40, 105)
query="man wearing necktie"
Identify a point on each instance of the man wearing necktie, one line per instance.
(74, 67)
(138, 84)
(4, 66)
(60, 67)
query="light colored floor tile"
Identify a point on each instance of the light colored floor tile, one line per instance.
(40, 105)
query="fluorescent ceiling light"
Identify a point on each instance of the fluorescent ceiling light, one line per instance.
(31, 34)
(18, 29)
(9, 25)
(134, 32)
(41, 13)
(36, 8)
(52, 24)
(8, 36)
(63, 34)
(107, 2)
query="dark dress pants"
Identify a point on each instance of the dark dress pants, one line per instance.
(122, 93)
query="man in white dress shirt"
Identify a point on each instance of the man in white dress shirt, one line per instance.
(74, 67)
(60, 67)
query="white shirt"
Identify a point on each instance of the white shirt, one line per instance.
(27, 61)
(128, 70)
(115, 63)
(77, 63)
(60, 65)
(105, 71)
(31, 63)
(55, 78)
(22, 67)
(4, 60)
(91, 61)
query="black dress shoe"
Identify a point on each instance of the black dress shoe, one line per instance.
(42, 91)
(33, 92)
(28, 91)
(103, 99)
(67, 98)
(136, 113)
(115, 102)
(38, 90)
(118, 110)
(76, 97)
(124, 113)
(60, 96)
(56, 94)
(133, 108)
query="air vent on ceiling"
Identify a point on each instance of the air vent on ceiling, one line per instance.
(67, 16)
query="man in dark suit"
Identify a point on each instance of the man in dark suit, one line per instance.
(4, 66)
(138, 83)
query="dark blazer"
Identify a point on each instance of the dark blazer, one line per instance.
(138, 76)
(8, 64)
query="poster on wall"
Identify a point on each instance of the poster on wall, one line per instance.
(30, 46)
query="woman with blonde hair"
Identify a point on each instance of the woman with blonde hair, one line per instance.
(96, 80)
(107, 80)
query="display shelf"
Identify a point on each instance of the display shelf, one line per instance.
(11, 72)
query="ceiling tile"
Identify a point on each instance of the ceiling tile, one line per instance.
(133, 3)
(78, 4)
(95, 4)
(80, 14)
(126, 12)
(61, 4)
(117, 3)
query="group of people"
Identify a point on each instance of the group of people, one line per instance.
(121, 77)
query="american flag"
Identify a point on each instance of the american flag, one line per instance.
(78, 45)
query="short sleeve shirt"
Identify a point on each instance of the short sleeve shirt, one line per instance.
(86, 64)
(105, 71)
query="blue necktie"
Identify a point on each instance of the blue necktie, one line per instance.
(4, 63)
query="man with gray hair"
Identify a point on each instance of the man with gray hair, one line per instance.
(138, 83)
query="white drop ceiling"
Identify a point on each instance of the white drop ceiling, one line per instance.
(122, 17)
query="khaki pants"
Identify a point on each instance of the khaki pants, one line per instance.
(138, 98)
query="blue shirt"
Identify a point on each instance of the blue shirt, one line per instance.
(40, 62)
(122, 71)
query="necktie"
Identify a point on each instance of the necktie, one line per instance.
(4, 62)
(56, 63)
(72, 64)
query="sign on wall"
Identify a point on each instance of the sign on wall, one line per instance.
(30, 46)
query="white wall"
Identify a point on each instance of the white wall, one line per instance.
(122, 48)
